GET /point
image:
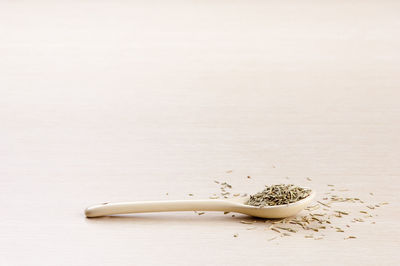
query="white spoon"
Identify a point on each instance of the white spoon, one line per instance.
(229, 205)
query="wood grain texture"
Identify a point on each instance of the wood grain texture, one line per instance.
(110, 101)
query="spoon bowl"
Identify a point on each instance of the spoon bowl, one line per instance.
(230, 205)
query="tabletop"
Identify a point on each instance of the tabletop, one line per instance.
(107, 101)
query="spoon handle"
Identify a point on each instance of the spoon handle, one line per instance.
(157, 206)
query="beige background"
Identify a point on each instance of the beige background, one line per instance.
(127, 100)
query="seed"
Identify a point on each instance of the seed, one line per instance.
(274, 229)
(288, 229)
(247, 222)
(326, 205)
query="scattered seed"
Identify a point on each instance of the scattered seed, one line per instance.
(287, 229)
(247, 222)
(276, 230)
(342, 212)
(326, 205)
(318, 214)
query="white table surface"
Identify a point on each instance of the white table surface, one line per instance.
(127, 100)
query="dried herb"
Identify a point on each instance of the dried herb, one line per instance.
(247, 222)
(276, 230)
(278, 195)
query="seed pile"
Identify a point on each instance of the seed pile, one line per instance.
(278, 195)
